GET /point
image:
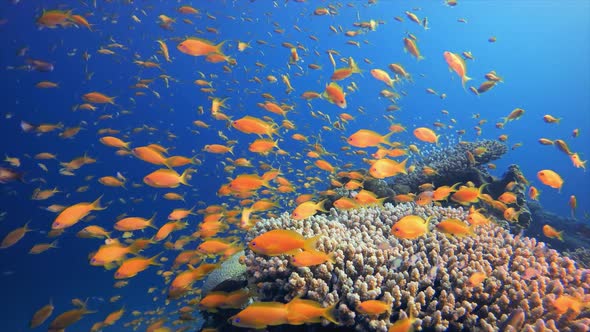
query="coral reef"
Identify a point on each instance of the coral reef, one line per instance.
(452, 165)
(426, 277)
(497, 187)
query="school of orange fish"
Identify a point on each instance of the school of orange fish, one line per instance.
(264, 181)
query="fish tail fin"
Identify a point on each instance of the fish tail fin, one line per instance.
(309, 244)
(421, 58)
(186, 176)
(481, 188)
(386, 138)
(320, 206)
(403, 165)
(454, 187)
(153, 260)
(218, 47)
(464, 79)
(427, 222)
(331, 258)
(560, 236)
(329, 312)
(151, 221)
(354, 66)
(96, 204)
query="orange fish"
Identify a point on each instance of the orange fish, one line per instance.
(411, 227)
(384, 168)
(41, 315)
(167, 178)
(133, 266)
(457, 64)
(403, 325)
(382, 76)
(199, 47)
(114, 142)
(307, 209)
(247, 183)
(130, 224)
(365, 197)
(534, 193)
(52, 18)
(476, 279)
(280, 241)
(442, 193)
(567, 302)
(476, 218)
(552, 233)
(367, 138)
(575, 158)
(410, 46)
(507, 197)
(514, 115)
(252, 125)
(311, 258)
(61, 322)
(426, 135)
(259, 315)
(113, 317)
(335, 95)
(213, 301)
(468, 195)
(13, 237)
(373, 307)
(168, 228)
(454, 227)
(74, 213)
(345, 203)
(308, 312)
(550, 178)
(98, 98)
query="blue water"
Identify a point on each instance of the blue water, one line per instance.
(542, 53)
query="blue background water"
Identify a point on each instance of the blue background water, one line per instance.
(541, 52)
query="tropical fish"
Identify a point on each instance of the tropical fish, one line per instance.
(411, 227)
(259, 315)
(74, 213)
(550, 178)
(552, 233)
(454, 227)
(457, 64)
(311, 258)
(476, 279)
(300, 311)
(279, 242)
(373, 307)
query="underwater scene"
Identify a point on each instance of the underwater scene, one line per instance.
(294, 165)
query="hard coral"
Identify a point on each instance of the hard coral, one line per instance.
(426, 277)
(452, 165)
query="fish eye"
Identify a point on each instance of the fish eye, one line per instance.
(253, 244)
(236, 320)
